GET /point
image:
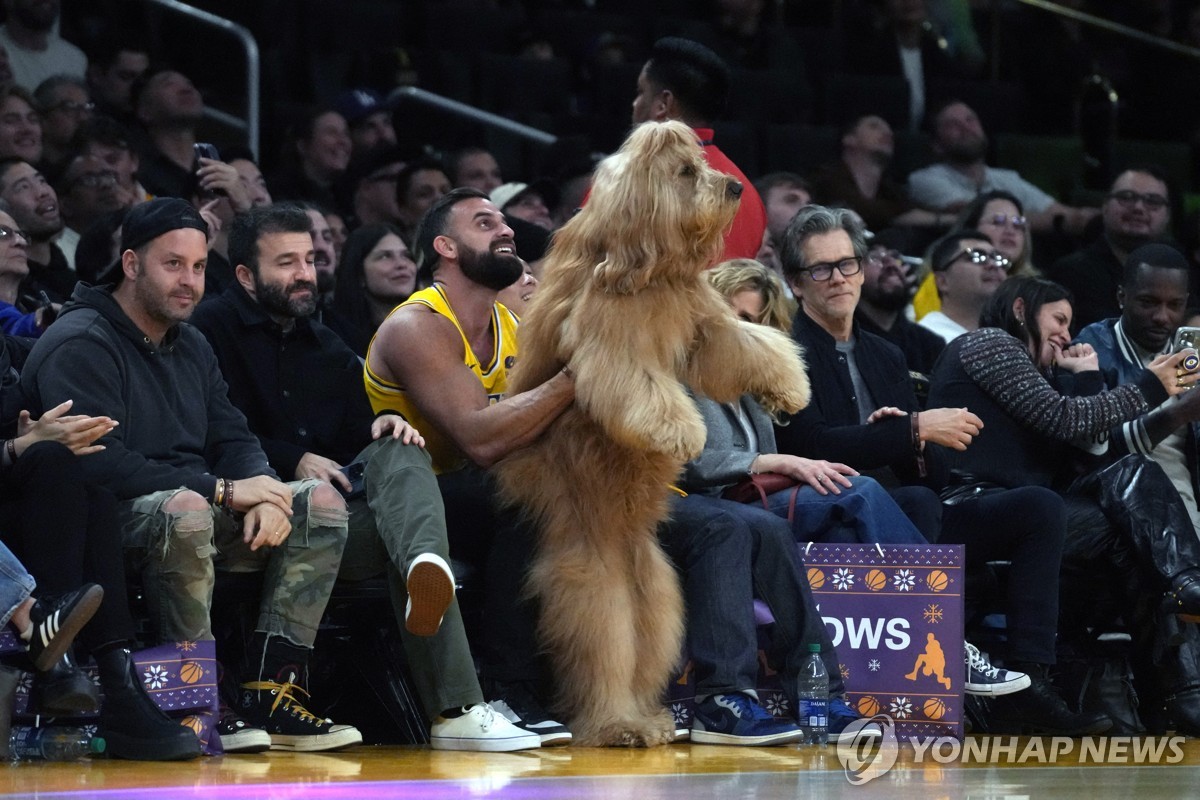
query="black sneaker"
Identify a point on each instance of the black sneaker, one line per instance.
(516, 703)
(238, 736)
(56, 620)
(274, 708)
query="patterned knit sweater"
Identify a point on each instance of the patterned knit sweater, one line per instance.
(1028, 422)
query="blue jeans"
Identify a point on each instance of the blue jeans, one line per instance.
(15, 584)
(728, 553)
(864, 513)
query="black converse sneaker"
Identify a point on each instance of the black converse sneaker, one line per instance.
(273, 707)
(517, 704)
(238, 736)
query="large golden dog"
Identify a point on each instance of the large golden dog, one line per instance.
(624, 305)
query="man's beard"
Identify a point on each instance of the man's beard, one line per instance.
(967, 152)
(489, 269)
(325, 281)
(279, 301)
(883, 300)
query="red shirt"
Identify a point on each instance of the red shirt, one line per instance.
(746, 234)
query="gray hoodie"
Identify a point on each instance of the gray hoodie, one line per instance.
(177, 426)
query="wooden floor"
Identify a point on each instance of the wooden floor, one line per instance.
(687, 772)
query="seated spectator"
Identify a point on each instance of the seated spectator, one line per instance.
(864, 413)
(87, 189)
(519, 294)
(783, 194)
(966, 269)
(1136, 211)
(315, 154)
(859, 179)
(63, 104)
(34, 206)
(122, 349)
(325, 258)
(241, 159)
(477, 168)
(169, 107)
(109, 141)
(527, 201)
(951, 184)
(20, 125)
(15, 319)
(369, 118)
(114, 63)
(418, 186)
(368, 188)
(218, 192)
(881, 309)
(306, 404)
(338, 230)
(66, 531)
(376, 275)
(1038, 395)
(35, 50)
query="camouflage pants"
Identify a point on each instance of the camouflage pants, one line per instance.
(178, 553)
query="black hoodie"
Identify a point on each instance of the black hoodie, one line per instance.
(177, 426)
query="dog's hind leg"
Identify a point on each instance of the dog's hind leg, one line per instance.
(659, 623)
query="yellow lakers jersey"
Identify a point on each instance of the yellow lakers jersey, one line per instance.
(387, 396)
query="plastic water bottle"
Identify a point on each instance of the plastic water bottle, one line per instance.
(812, 698)
(53, 743)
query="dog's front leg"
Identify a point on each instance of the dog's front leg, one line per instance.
(731, 358)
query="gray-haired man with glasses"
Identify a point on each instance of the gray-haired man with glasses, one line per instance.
(967, 268)
(1137, 211)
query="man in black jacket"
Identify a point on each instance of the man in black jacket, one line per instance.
(196, 490)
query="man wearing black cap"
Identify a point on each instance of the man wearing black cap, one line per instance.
(369, 117)
(368, 189)
(196, 490)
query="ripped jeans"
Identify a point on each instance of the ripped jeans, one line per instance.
(178, 553)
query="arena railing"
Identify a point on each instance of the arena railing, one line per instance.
(486, 118)
(250, 123)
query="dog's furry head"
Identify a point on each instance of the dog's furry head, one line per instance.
(657, 211)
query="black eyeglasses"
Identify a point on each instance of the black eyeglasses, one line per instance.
(824, 270)
(72, 107)
(979, 257)
(1129, 198)
(1016, 221)
(877, 256)
(6, 233)
(94, 180)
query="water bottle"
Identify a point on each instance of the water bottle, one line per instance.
(53, 743)
(812, 698)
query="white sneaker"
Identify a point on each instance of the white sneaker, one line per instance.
(480, 729)
(430, 592)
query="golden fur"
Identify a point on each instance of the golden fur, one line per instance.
(624, 304)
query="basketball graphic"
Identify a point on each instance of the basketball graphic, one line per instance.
(875, 580)
(867, 705)
(191, 672)
(937, 581)
(194, 723)
(934, 708)
(816, 578)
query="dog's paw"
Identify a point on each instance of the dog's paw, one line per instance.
(790, 399)
(681, 439)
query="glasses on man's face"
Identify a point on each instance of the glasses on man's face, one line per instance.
(824, 270)
(878, 257)
(982, 257)
(7, 233)
(72, 107)
(1129, 199)
(95, 180)
(1015, 221)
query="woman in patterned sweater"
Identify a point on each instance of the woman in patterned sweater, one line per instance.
(1042, 402)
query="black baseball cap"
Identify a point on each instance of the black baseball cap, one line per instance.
(146, 222)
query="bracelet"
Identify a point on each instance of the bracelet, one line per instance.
(228, 499)
(219, 493)
(10, 447)
(566, 370)
(918, 451)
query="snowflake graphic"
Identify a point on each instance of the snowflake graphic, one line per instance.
(155, 676)
(874, 665)
(777, 704)
(932, 613)
(679, 713)
(843, 579)
(900, 708)
(903, 580)
(842, 668)
(187, 647)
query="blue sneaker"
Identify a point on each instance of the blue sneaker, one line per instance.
(737, 719)
(840, 717)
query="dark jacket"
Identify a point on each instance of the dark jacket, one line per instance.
(920, 346)
(1093, 275)
(829, 427)
(301, 390)
(177, 426)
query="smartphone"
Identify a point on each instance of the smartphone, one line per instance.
(1187, 338)
(205, 150)
(354, 473)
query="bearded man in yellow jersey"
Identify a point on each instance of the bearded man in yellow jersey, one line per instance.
(441, 360)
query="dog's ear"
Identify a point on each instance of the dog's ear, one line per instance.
(623, 271)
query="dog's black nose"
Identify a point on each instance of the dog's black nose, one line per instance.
(735, 189)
